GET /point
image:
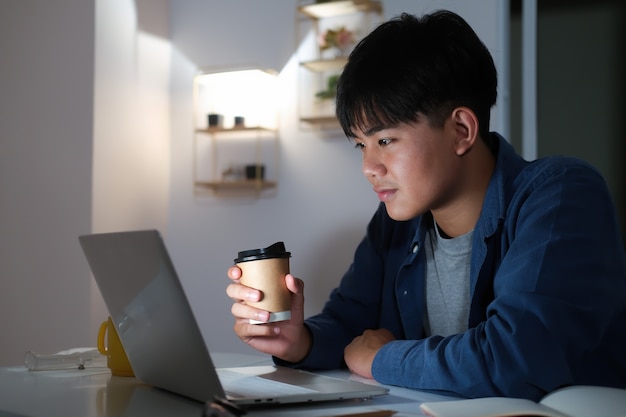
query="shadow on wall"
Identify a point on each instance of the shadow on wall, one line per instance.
(150, 19)
(325, 265)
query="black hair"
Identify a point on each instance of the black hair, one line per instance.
(410, 66)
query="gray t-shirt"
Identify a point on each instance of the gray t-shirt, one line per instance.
(447, 282)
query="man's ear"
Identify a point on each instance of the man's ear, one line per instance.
(466, 127)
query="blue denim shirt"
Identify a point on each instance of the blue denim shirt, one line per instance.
(548, 291)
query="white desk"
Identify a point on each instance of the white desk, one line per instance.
(93, 392)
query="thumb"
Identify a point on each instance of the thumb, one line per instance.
(295, 285)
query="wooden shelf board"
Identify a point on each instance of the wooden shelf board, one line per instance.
(320, 120)
(337, 8)
(236, 185)
(234, 129)
(321, 65)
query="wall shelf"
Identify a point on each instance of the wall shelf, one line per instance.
(321, 120)
(337, 8)
(211, 130)
(251, 185)
(235, 145)
(259, 143)
(320, 65)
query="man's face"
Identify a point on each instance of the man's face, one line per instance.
(412, 167)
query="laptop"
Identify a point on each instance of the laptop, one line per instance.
(163, 342)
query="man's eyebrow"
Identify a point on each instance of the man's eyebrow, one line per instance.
(372, 130)
(369, 131)
(377, 128)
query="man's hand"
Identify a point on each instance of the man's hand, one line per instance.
(288, 340)
(359, 354)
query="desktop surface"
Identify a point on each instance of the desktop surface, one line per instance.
(94, 392)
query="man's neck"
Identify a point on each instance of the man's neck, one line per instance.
(460, 215)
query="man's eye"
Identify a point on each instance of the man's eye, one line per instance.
(384, 142)
(359, 145)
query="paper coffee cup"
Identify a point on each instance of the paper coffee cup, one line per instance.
(265, 269)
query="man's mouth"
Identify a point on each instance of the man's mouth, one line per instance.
(384, 194)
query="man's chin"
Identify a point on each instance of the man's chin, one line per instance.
(397, 215)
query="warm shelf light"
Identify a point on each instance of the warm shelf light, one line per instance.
(250, 93)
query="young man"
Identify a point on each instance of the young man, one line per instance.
(480, 274)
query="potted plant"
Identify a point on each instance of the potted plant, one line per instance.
(340, 39)
(326, 97)
(331, 88)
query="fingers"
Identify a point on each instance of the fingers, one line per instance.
(289, 339)
(244, 312)
(381, 335)
(247, 331)
(234, 273)
(241, 293)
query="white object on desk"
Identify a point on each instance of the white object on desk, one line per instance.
(77, 358)
(573, 401)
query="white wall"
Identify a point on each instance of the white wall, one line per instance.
(131, 121)
(46, 123)
(107, 146)
(84, 147)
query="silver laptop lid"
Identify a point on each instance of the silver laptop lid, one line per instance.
(150, 311)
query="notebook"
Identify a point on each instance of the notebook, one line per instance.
(163, 342)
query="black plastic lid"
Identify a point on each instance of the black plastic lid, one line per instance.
(277, 250)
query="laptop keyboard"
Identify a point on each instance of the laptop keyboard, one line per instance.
(239, 385)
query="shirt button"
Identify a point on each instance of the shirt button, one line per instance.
(405, 293)
(415, 247)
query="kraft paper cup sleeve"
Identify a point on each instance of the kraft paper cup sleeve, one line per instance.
(265, 269)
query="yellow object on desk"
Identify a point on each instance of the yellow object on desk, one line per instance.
(117, 361)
